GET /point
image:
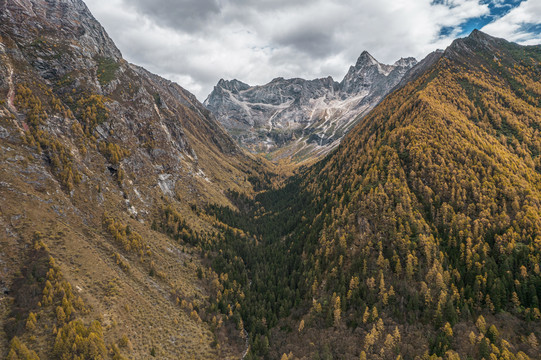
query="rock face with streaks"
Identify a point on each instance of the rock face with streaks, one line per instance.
(303, 118)
(59, 46)
(86, 137)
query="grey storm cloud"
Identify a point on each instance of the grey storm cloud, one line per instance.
(311, 36)
(310, 40)
(196, 15)
(178, 14)
(197, 42)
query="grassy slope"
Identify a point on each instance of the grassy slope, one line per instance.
(59, 180)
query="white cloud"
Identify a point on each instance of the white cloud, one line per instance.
(198, 42)
(515, 24)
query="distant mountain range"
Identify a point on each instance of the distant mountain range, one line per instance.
(300, 119)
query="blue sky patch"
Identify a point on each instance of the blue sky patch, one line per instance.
(475, 23)
(498, 8)
(531, 28)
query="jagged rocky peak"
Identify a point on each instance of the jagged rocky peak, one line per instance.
(406, 62)
(368, 73)
(294, 116)
(420, 67)
(277, 79)
(61, 38)
(232, 85)
(61, 19)
(365, 59)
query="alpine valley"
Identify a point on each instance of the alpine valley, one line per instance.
(393, 215)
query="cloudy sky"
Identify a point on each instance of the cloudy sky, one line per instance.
(197, 42)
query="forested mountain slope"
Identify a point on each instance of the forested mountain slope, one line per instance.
(437, 195)
(94, 151)
(421, 234)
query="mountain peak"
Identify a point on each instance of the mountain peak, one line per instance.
(232, 85)
(475, 42)
(479, 36)
(64, 19)
(406, 62)
(365, 59)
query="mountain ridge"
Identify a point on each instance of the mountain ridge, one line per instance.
(303, 119)
(98, 157)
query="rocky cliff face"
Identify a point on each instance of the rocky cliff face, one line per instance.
(303, 118)
(89, 142)
(63, 55)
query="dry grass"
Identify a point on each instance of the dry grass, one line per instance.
(130, 303)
